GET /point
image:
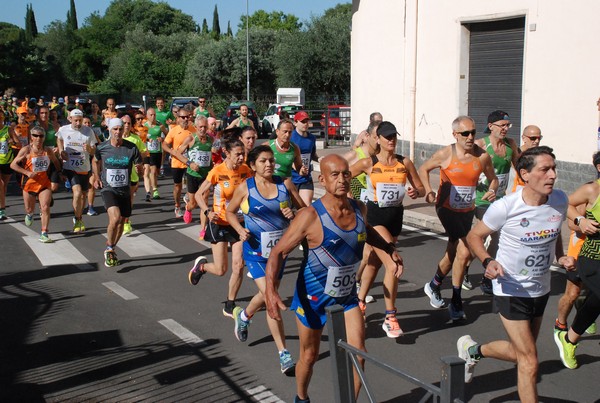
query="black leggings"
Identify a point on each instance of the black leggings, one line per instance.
(589, 271)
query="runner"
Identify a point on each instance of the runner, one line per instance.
(460, 165)
(113, 165)
(243, 120)
(529, 222)
(22, 126)
(109, 113)
(130, 136)
(33, 162)
(203, 110)
(369, 147)
(266, 202)
(387, 175)
(532, 136)
(287, 154)
(51, 128)
(9, 141)
(91, 192)
(335, 230)
(307, 143)
(225, 178)
(156, 135)
(75, 144)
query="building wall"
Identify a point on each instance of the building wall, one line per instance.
(561, 82)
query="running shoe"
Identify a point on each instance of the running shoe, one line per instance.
(456, 312)
(2, 214)
(91, 211)
(286, 362)
(197, 271)
(298, 400)
(566, 350)
(592, 329)
(127, 228)
(155, 194)
(187, 217)
(28, 219)
(391, 327)
(240, 328)
(186, 199)
(369, 299)
(44, 238)
(148, 197)
(81, 226)
(466, 284)
(435, 297)
(486, 286)
(228, 308)
(178, 212)
(110, 258)
(462, 345)
(202, 234)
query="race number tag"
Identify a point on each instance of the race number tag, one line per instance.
(461, 197)
(305, 160)
(153, 145)
(535, 260)
(364, 195)
(390, 194)
(268, 240)
(202, 158)
(4, 147)
(502, 184)
(341, 280)
(117, 178)
(76, 162)
(40, 164)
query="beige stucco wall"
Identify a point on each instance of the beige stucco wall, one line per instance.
(561, 79)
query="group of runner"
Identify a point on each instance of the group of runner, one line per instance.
(262, 207)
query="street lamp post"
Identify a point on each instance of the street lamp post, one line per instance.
(247, 54)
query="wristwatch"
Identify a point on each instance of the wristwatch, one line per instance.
(206, 212)
(486, 261)
(577, 220)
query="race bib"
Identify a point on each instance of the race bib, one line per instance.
(202, 158)
(341, 280)
(40, 164)
(305, 160)
(461, 197)
(153, 145)
(390, 194)
(4, 147)
(117, 178)
(268, 240)
(75, 162)
(535, 260)
(502, 184)
(364, 195)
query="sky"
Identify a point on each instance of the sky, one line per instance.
(47, 11)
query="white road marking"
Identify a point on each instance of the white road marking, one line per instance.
(137, 244)
(263, 395)
(120, 291)
(181, 332)
(425, 232)
(191, 231)
(61, 252)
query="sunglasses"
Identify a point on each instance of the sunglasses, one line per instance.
(139, 118)
(534, 138)
(466, 133)
(38, 136)
(504, 126)
(185, 116)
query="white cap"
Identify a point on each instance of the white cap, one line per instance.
(76, 100)
(114, 122)
(76, 112)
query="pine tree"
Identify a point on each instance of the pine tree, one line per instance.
(30, 24)
(204, 26)
(229, 32)
(216, 28)
(72, 17)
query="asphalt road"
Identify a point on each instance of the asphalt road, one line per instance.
(73, 330)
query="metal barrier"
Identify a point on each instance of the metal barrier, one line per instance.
(345, 358)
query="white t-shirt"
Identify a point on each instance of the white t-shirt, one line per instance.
(74, 141)
(528, 236)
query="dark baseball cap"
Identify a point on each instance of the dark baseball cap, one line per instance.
(497, 115)
(387, 129)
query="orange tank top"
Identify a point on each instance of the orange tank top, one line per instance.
(385, 184)
(457, 184)
(37, 163)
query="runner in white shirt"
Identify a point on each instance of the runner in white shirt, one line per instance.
(529, 222)
(75, 144)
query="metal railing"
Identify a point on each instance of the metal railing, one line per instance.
(345, 359)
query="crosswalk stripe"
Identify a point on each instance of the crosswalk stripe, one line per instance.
(262, 394)
(191, 231)
(183, 333)
(137, 244)
(120, 291)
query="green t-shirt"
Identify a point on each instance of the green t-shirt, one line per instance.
(164, 115)
(153, 143)
(201, 154)
(501, 168)
(283, 161)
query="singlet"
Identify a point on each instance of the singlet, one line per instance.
(591, 246)
(74, 142)
(37, 163)
(163, 116)
(457, 184)
(329, 270)
(50, 138)
(117, 165)
(241, 123)
(225, 181)
(152, 139)
(141, 146)
(385, 185)
(203, 113)
(175, 137)
(141, 131)
(201, 154)
(283, 160)
(22, 130)
(264, 219)
(527, 242)
(307, 146)
(501, 168)
(6, 151)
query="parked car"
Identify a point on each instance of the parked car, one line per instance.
(274, 114)
(337, 120)
(128, 108)
(183, 101)
(233, 112)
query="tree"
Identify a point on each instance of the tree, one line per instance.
(72, 17)
(216, 28)
(276, 20)
(229, 32)
(31, 30)
(205, 27)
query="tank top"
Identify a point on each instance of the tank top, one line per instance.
(264, 220)
(241, 123)
(307, 146)
(22, 130)
(152, 139)
(501, 168)
(283, 160)
(591, 245)
(203, 113)
(457, 184)
(201, 154)
(37, 163)
(385, 185)
(6, 151)
(50, 138)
